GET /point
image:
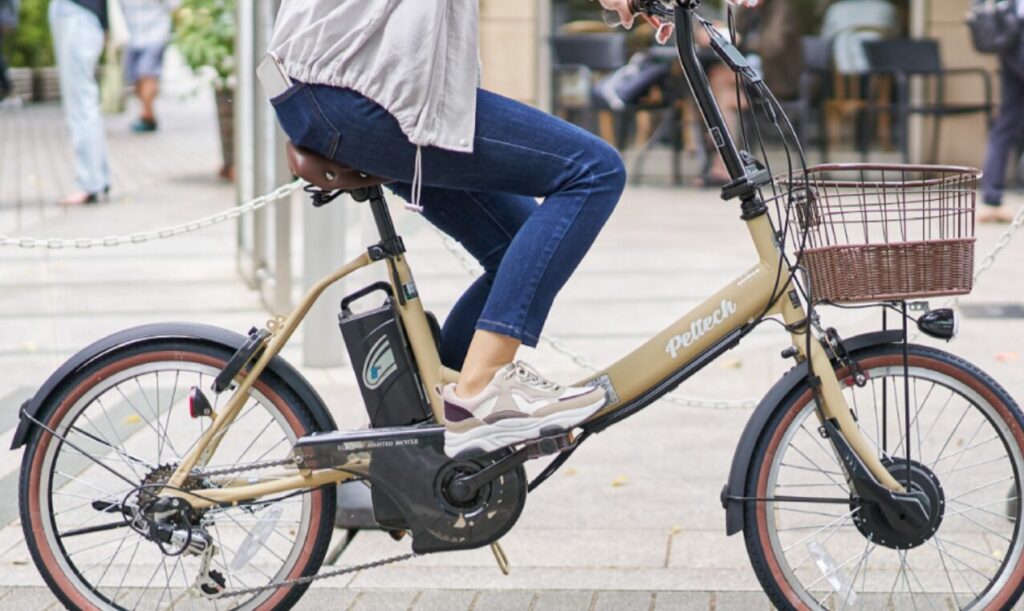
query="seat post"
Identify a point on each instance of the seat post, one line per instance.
(381, 215)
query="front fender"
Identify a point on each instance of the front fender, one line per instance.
(766, 409)
(186, 331)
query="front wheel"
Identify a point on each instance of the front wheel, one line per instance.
(967, 454)
(126, 422)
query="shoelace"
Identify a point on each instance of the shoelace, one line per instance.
(530, 376)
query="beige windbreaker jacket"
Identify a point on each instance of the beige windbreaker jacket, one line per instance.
(416, 58)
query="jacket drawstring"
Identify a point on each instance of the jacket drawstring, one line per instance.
(417, 183)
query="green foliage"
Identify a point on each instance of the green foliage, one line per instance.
(29, 45)
(205, 35)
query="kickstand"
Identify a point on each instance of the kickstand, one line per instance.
(499, 555)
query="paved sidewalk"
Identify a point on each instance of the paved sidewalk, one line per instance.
(632, 522)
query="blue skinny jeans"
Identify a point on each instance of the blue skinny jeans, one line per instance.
(485, 200)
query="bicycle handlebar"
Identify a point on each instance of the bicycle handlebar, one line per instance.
(683, 14)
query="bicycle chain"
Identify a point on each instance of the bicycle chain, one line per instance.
(284, 583)
(266, 464)
(311, 578)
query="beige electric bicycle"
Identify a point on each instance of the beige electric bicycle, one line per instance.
(180, 465)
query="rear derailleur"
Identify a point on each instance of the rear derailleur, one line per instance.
(177, 530)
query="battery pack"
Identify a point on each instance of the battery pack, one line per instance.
(383, 362)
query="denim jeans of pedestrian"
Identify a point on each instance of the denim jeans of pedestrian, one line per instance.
(1008, 131)
(486, 200)
(78, 43)
(5, 82)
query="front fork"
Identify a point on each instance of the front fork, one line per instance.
(868, 479)
(832, 406)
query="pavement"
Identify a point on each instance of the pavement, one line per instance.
(632, 522)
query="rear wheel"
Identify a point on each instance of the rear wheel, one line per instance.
(127, 424)
(967, 454)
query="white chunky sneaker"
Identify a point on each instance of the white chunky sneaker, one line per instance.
(517, 405)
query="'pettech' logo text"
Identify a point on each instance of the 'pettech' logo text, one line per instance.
(700, 327)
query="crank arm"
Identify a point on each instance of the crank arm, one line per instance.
(465, 488)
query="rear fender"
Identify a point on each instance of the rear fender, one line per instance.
(213, 336)
(775, 400)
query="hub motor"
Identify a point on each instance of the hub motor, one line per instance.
(924, 484)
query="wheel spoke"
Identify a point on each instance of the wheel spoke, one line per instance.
(861, 564)
(952, 429)
(125, 426)
(945, 445)
(981, 508)
(845, 516)
(939, 544)
(972, 466)
(981, 487)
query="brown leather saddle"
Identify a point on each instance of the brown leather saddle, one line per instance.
(327, 174)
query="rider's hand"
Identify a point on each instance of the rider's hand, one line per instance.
(622, 8)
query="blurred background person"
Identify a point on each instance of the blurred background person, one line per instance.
(78, 28)
(149, 31)
(768, 33)
(8, 21)
(1007, 132)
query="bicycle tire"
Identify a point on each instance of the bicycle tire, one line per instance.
(86, 388)
(775, 564)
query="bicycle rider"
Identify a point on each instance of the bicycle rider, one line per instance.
(391, 87)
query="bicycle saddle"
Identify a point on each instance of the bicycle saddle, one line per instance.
(327, 174)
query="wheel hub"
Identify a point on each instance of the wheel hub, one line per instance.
(895, 534)
(159, 476)
(170, 522)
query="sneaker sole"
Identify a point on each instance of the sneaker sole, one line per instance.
(501, 434)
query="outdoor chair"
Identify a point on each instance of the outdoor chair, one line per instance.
(803, 110)
(671, 106)
(815, 88)
(579, 61)
(904, 60)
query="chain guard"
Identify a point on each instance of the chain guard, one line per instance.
(408, 476)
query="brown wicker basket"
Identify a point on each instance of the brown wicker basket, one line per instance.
(884, 232)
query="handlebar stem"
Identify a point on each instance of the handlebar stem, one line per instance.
(698, 80)
(745, 181)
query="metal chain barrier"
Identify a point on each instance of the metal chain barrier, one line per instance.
(158, 234)
(470, 265)
(583, 362)
(1001, 244)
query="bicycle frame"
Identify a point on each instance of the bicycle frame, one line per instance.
(632, 383)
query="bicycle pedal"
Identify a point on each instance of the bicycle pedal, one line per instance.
(551, 444)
